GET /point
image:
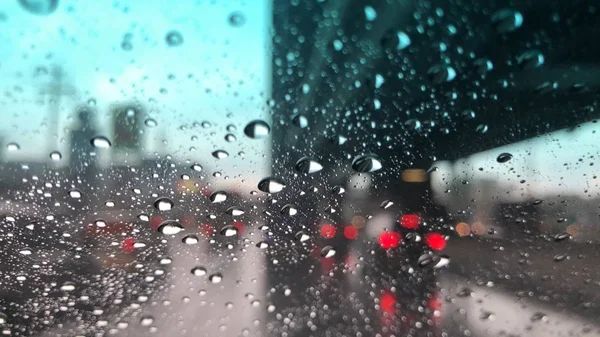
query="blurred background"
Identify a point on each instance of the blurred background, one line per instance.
(299, 168)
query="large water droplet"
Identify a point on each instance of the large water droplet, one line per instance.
(300, 121)
(328, 252)
(229, 230)
(198, 271)
(220, 154)
(39, 7)
(262, 245)
(234, 211)
(366, 163)
(218, 196)
(13, 147)
(190, 239)
(271, 185)
(170, 227)
(386, 204)
(531, 59)
(150, 122)
(504, 157)
(146, 320)
(308, 165)
(507, 20)
(68, 286)
(196, 167)
(395, 40)
(230, 138)
(100, 142)
(483, 66)
(55, 156)
(301, 236)
(237, 19)
(215, 278)
(257, 129)
(163, 204)
(174, 38)
(75, 193)
(289, 209)
(441, 73)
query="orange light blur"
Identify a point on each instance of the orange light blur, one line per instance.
(414, 175)
(478, 228)
(573, 229)
(463, 229)
(359, 221)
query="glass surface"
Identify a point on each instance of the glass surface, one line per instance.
(299, 168)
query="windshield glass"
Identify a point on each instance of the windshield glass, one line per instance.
(299, 168)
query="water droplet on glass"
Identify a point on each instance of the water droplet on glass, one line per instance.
(100, 142)
(441, 73)
(190, 239)
(366, 163)
(339, 139)
(289, 209)
(143, 217)
(561, 237)
(109, 203)
(386, 204)
(507, 20)
(25, 251)
(271, 185)
(504, 157)
(370, 13)
(257, 129)
(327, 252)
(262, 245)
(337, 189)
(199, 271)
(395, 40)
(530, 59)
(185, 177)
(150, 122)
(100, 223)
(300, 121)
(215, 278)
(220, 154)
(146, 320)
(39, 7)
(165, 260)
(170, 227)
(237, 19)
(55, 156)
(196, 167)
(163, 204)
(308, 165)
(230, 138)
(218, 196)
(234, 211)
(13, 147)
(301, 236)
(539, 316)
(75, 193)
(174, 38)
(229, 230)
(482, 66)
(481, 128)
(559, 257)
(68, 286)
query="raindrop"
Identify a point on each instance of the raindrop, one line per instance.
(196, 167)
(218, 196)
(504, 157)
(199, 271)
(163, 204)
(220, 154)
(559, 257)
(75, 193)
(337, 189)
(257, 129)
(170, 227)
(561, 237)
(174, 38)
(530, 59)
(271, 185)
(68, 286)
(229, 230)
(100, 142)
(13, 147)
(143, 217)
(370, 13)
(466, 292)
(301, 236)
(100, 223)
(468, 115)
(482, 66)
(109, 203)
(237, 19)
(185, 177)
(481, 128)
(39, 7)
(386, 204)
(539, 316)
(215, 278)
(289, 209)
(366, 163)
(146, 320)
(165, 260)
(507, 20)
(150, 123)
(395, 40)
(190, 239)
(25, 251)
(55, 156)
(308, 165)
(327, 252)
(441, 73)
(230, 138)
(300, 121)
(234, 211)
(262, 245)
(339, 139)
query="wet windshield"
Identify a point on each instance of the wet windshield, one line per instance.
(299, 168)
